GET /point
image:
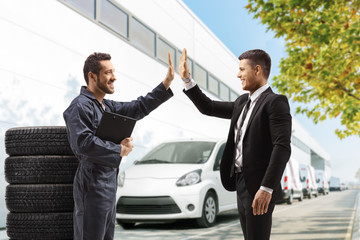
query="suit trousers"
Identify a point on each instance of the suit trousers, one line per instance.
(254, 227)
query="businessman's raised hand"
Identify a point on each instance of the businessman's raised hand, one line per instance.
(170, 74)
(183, 67)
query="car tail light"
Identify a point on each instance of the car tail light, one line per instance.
(286, 182)
(307, 183)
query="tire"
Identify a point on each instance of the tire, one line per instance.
(40, 225)
(50, 140)
(290, 199)
(39, 198)
(40, 169)
(301, 197)
(209, 211)
(125, 225)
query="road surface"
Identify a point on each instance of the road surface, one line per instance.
(327, 217)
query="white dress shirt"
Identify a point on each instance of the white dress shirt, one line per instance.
(254, 97)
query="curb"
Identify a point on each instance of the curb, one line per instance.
(356, 226)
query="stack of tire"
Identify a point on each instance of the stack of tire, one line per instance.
(40, 171)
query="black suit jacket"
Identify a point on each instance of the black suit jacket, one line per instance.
(266, 143)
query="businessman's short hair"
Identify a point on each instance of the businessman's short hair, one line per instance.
(92, 64)
(258, 57)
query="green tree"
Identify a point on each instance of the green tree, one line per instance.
(322, 68)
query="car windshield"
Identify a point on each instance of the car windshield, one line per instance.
(179, 152)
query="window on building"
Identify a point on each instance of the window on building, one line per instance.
(213, 85)
(162, 49)
(85, 6)
(142, 37)
(224, 92)
(233, 96)
(114, 17)
(200, 76)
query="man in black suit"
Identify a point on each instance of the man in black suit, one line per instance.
(258, 144)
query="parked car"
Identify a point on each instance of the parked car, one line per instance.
(322, 181)
(176, 180)
(307, 178)
(290, 182)
(335, 184)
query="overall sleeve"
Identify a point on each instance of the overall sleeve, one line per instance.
(280, 132)
(80, 126)
(143, 105)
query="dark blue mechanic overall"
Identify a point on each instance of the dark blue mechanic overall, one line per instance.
(95, 184)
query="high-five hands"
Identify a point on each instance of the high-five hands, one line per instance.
(183, 67)
(126, 146)
(170, 74)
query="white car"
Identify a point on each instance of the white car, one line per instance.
(176, 180)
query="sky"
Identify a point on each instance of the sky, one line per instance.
(239, 31)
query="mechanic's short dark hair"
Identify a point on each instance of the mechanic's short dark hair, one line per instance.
(258, 57)
(92, 64)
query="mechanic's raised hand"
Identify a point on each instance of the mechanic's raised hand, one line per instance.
(183, 67)
(126, 146)
(261, 202)
(170, 74)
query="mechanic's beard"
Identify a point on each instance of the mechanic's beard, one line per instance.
(104, 87)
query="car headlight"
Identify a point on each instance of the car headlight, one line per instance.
(190, 178)
(121, 179)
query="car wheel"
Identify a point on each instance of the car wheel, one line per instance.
(309, 195)
(209, 211)
(125, 225)
(290, 199)
(301, 197)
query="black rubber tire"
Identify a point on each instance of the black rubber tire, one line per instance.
(51, 140)
(40, 225)
(39, 198)
(40, 169)
(290, 199)
(301, 197)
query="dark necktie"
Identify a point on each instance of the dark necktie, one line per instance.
(238, 134)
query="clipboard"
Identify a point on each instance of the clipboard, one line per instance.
(115, 127)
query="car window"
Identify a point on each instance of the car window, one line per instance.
(179, 152)
(218, 157)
